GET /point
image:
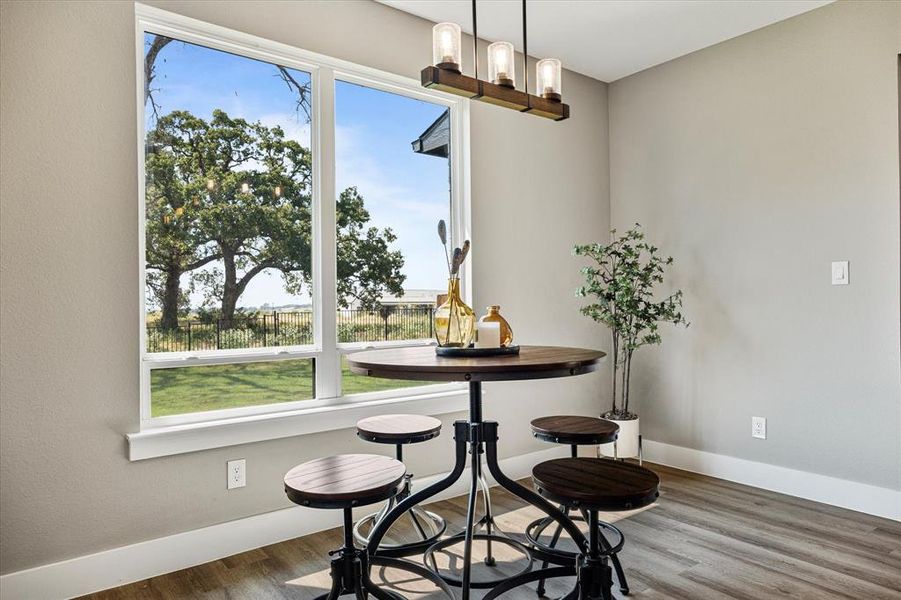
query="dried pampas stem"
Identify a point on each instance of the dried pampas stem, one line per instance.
(442, 235)
(466, 246)
(455, 261)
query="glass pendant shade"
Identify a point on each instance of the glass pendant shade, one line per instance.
(446, 46)
(548, 77)
(500, 64)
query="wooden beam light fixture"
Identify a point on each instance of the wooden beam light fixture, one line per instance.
(445, 73)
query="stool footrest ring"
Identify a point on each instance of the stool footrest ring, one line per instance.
(415, 568)
(536, 527)
(524, 578)
(429, 558)
(438, 526)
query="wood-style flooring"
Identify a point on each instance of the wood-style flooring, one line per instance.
(704, 539)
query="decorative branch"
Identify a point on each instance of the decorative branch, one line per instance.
(159, 42)
(302, 89)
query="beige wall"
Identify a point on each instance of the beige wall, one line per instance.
(756, 163)
(69, 256)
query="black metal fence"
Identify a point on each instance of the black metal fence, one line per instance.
(265, 330)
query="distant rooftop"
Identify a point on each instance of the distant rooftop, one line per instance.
(435, 140)
(413, 297)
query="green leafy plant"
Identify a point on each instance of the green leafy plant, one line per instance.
(621, 285)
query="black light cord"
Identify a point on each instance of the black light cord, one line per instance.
(475, 42)
(525, 50)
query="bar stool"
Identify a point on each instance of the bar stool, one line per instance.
(342, 482)
(588, 485)
(400, 430)
(576, 431)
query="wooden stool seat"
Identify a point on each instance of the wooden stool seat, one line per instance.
(574, 430)
(344, 480)
(596, 483)
(398, 429)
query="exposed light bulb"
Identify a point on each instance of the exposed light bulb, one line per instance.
(500, 64)
(210, 184)
(446, 46)
(548, 84)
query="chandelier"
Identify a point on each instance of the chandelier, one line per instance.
(500, 87)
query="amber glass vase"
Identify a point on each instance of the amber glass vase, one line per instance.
(494, 316)
(455, 322)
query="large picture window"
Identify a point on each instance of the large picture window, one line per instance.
(289, 211)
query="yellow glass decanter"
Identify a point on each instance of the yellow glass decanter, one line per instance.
(494, 316)
(454, 321)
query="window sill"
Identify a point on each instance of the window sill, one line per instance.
(180, 439)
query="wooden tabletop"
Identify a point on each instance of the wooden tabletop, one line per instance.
(422, 364)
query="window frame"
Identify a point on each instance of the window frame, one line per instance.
(325, 350)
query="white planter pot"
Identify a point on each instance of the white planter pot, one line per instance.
(627, 444)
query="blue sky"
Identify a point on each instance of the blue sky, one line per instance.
(403, 190)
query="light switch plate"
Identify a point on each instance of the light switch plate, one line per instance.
(758, 427)
(840, 275)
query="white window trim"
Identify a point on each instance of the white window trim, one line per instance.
(255, 423)
(179, 439)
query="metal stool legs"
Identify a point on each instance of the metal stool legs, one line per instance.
(594, 575)
(541, 524)
(350, 572)
(428, 525)
(536, 528)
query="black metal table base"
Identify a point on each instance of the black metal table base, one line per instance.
(478, 437)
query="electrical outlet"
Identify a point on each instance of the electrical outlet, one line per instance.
(237, 476)
(758, 427)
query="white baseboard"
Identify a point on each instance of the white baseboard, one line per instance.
(127, 564)
(862, 497)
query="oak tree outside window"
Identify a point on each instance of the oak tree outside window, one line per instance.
(289, 212)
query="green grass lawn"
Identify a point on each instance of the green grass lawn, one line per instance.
(198, 389)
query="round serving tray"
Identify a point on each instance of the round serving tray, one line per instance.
(472, 352)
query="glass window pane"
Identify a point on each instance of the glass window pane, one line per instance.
(392, 168)
(387, 322)
(183, 390)
(228, 194)
(362, 384)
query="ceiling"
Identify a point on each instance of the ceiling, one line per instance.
(611, 39)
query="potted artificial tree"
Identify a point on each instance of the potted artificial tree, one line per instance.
(620, 284)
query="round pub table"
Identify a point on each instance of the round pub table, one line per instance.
(478, 437)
